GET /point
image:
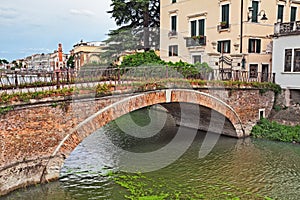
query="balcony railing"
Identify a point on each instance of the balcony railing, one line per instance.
(223, 26)
(198, 41)
(172, 33)
(287, 28)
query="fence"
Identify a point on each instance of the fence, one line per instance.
(25, 81)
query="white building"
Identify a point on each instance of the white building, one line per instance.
(286, 59)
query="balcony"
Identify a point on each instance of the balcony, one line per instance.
(223, 26)
(287, 28)
(172, 33)
(195, 41)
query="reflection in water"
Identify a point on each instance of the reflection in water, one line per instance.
(242, 167)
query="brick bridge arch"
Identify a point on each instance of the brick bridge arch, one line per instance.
(127, 105)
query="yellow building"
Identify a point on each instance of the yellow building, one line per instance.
(209, 30)
(87, 53)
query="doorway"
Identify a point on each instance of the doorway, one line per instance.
(264, 72)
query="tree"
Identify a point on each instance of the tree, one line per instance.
(3, 61)
(70, 62)
(139, 21)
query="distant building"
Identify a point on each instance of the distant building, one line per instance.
(87, 53)
(58, 60)
(286, 59)
(45, 61)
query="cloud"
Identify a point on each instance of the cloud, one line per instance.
(8, 13)
(82, 12)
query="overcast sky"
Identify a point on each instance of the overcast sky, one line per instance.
(37, 26)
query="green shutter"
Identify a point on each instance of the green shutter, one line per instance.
(255, 11)
(219, 46)
(225, 13)
(193, 28)
(293, 14)
(201, 27)
(174, 23)
(250, 45)
(280, 13)
(229, 46)
(258, 46)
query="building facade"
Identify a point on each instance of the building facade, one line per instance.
(87, 53)
(286, 59)
(208, 31)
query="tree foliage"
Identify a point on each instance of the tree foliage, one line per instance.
(139, 22)
(3, 61)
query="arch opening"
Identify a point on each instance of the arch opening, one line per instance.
(129, 104)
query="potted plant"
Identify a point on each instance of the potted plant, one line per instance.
(198, 37)
(223, 23)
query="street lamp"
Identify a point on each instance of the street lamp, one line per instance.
(261, 13)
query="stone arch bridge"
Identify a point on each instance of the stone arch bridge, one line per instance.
(35, 139)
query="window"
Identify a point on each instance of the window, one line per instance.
(174, 23)
(288, 60)
(173, 50)
(255, 11)
(254, 46)
(293, 14)
(280, 13)
(173, 27)
(196, 58)
(193, 28)
(201, 27)
(224, 46)
(292, 60)
(225, 16)
(296, 67)
(173, 1)
(253, 70)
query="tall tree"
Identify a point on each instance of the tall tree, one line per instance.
(139, 20)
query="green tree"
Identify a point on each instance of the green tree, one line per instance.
(70, 62)
(3, 61)
(139, 22)
(119, 41)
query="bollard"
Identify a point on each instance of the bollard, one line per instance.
(16, 79)
(57, 81)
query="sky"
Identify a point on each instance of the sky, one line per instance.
(37, 26)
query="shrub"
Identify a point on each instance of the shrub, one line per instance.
(275, 131)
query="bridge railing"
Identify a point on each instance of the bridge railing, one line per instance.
(23, 81)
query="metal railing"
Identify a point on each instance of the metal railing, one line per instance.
(18, 81)
(287, 28)
(190, 41)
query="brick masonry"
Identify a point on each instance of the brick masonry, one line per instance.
(36, 139)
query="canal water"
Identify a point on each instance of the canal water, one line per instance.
(234, 169)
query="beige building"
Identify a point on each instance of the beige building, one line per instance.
(240, 30)
(87, 53)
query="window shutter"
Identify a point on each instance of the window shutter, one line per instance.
(201, 27)
(219, 47)
(280, 13)
(258, 46)
(193, 28)
(255, 11)
(229, 46)
(174, 23)
(225, 13)
(293, 14)
(250, 45)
